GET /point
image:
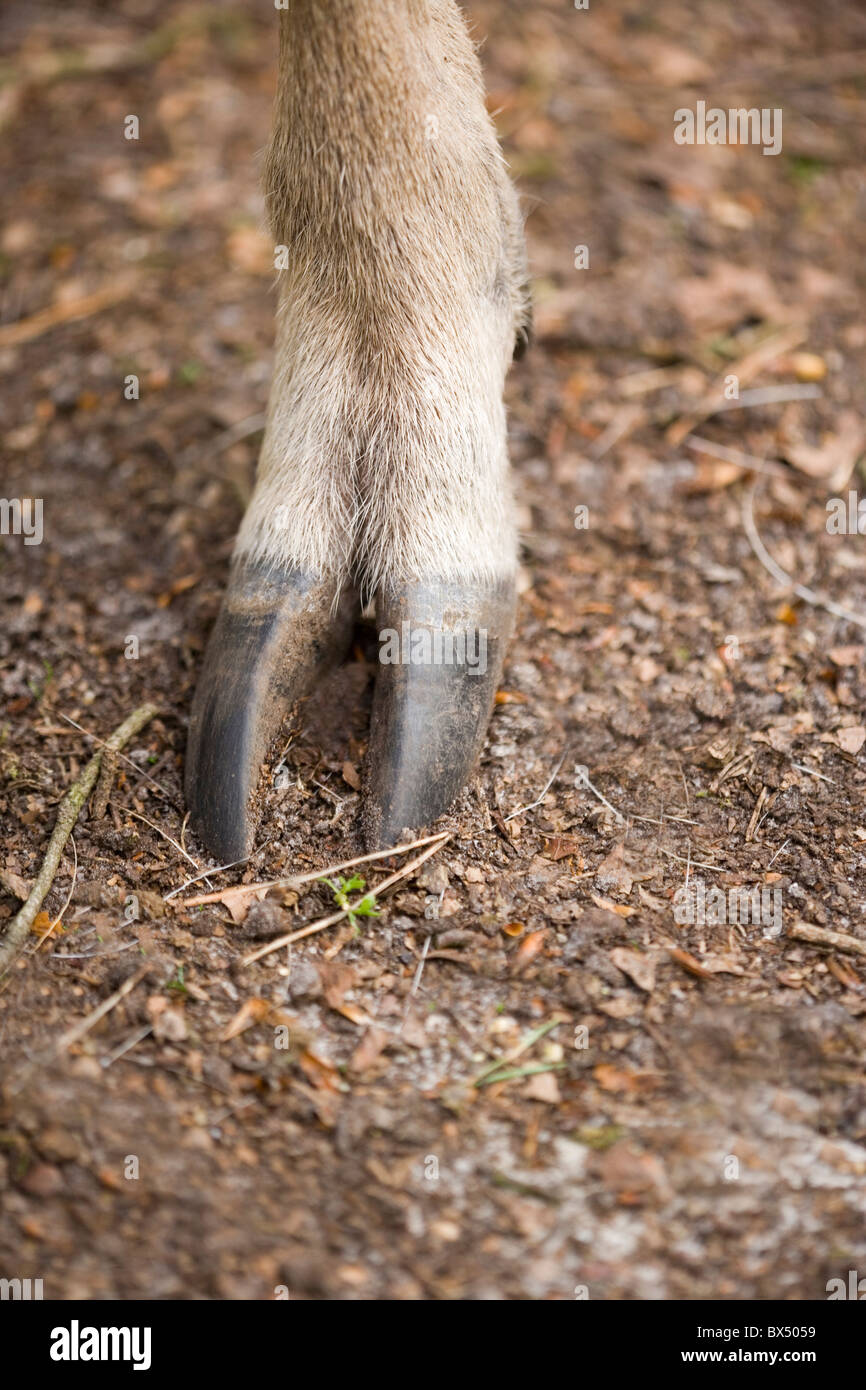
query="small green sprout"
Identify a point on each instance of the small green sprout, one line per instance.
(365, 907)
(177, 982)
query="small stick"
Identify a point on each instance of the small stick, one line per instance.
(102, 744)
(583, 781)
(205, 873)
(336, 916)
(780, 575)
(70, 809)
(25, 330)
(541, 795)
(84, 1025)
(165, 835)
(820, 936)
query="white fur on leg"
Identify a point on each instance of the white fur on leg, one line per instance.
(385, 452)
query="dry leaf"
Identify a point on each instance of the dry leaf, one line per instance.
(612, 873)
(252, 1012)
(239, 900)
(833, 460)
(561, 846)
(528, 949)
(544, 1087)
(689, 962)
(369, 1049)
(840, 656)
(41, 923)
(15, 884)
(638, 967)
(852, 738)
(350, 775)
(618, 908)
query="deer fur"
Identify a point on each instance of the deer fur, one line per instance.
(384, 457)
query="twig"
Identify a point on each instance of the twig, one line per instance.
(121, 1050)
(251, 424)
(205, 873)
(820, 936)
(314, 927)
(542, 794)
(25, 330)
(583, 781)
(771, 395)
(716, 868)
(801, 767)
(70, 809)
(531, 1070)
(748, 462)
(746, 369)
(140, 770)
(165, 835)
(780, 576)
(85, 1024)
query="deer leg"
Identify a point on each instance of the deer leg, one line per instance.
(384, 471)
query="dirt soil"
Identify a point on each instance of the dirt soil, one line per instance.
(682, 1113)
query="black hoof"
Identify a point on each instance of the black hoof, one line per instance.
(275, 635)
(441, 650)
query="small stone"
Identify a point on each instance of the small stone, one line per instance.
(305, 982)
(42, 1180)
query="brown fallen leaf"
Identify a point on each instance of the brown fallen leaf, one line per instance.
(612, 872)
(833, 460)
(513, 928)
(237, 900)
(852, 738)
(369, 1049)
(689, 962)
(544, 1087)
(15, 884)
(350, 775)
(621, 1006)
(624, 1081)
(619, 909)
(337, 979)
(527, 951)
(251, 1012)
(561, 846)
(633, 1176)
(639, 967)
(847, 656)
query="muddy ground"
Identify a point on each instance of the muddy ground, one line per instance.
(322, 1121)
